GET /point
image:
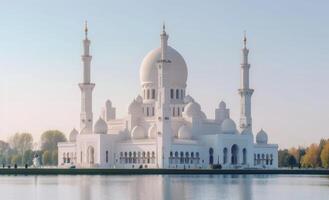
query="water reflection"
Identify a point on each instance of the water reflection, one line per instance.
(164, 187)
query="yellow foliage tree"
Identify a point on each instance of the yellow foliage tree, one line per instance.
(311, 158)
(325, 155)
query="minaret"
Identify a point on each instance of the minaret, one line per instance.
(245, 92)
(164, 132)
(86, 87)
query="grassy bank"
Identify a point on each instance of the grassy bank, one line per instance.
(55, 171)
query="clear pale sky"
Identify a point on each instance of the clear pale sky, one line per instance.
(40, 64)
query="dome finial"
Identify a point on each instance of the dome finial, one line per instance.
(164, 28)
(244, 39)
(86, 29)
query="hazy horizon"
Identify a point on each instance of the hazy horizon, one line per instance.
(41, 45)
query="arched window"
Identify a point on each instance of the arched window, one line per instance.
(182, 94)
(126, 158)
(176, 157)
(177, 93)
(147, 111)
(138, 157)
(267, 159)
(187, 157)
(173, 111)
(225, 155)
(211, 156)
(255, 159)
(244, 156)
(234, 154)
(130, 157)
(258, 159)
(152, 111)
(64, 158)
(263, 159)
(148, 94)
(181, 157)
(134, 157)
(178, 111)
(144, 156)
(271, 159)
(107, 156)
(148, 157)
(90, 155)
(68, 158)
(153, 93)
(171, 93)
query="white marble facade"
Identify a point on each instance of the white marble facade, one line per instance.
(164, 127)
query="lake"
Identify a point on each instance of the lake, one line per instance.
(151, 187)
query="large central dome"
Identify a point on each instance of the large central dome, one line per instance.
(177, 69)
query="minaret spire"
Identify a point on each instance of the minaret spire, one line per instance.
(245, 92)
(245, 39)
(163, 112)
(86, 87)
(86, 30)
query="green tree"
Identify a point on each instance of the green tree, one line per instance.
(28, 157)
(54, 157)
(49, 140)
(325, 155)
(283, 158)
(311, 158)
(46, 158)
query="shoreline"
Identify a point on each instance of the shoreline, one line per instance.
(62, 171)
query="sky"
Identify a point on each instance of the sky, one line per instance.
(41, 45)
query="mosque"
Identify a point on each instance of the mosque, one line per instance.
(164, 127)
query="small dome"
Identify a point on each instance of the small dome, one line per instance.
(108, 104)
(192, 109)
(100, 126)
(73, 135)
(139, 99)
(222, 105)
(184, 132)
(135, 108)
(152, 132)
(188, 99)
(228, 126)
(138, 132)
(177, 69)
(261, 137)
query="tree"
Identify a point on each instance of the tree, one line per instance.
(292, 161)
(310, 159)
(49, 140)
(321, 145)
(28, 157)
(16, 159)
(325, 155)
(21, 142)
(46, 158)
(54, 157)
(283, 158)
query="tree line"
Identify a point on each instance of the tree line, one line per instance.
(315, 155)
(19, 150)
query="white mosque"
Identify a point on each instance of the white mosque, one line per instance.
(164, 127)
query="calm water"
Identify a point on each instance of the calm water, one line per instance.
(165, 187)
